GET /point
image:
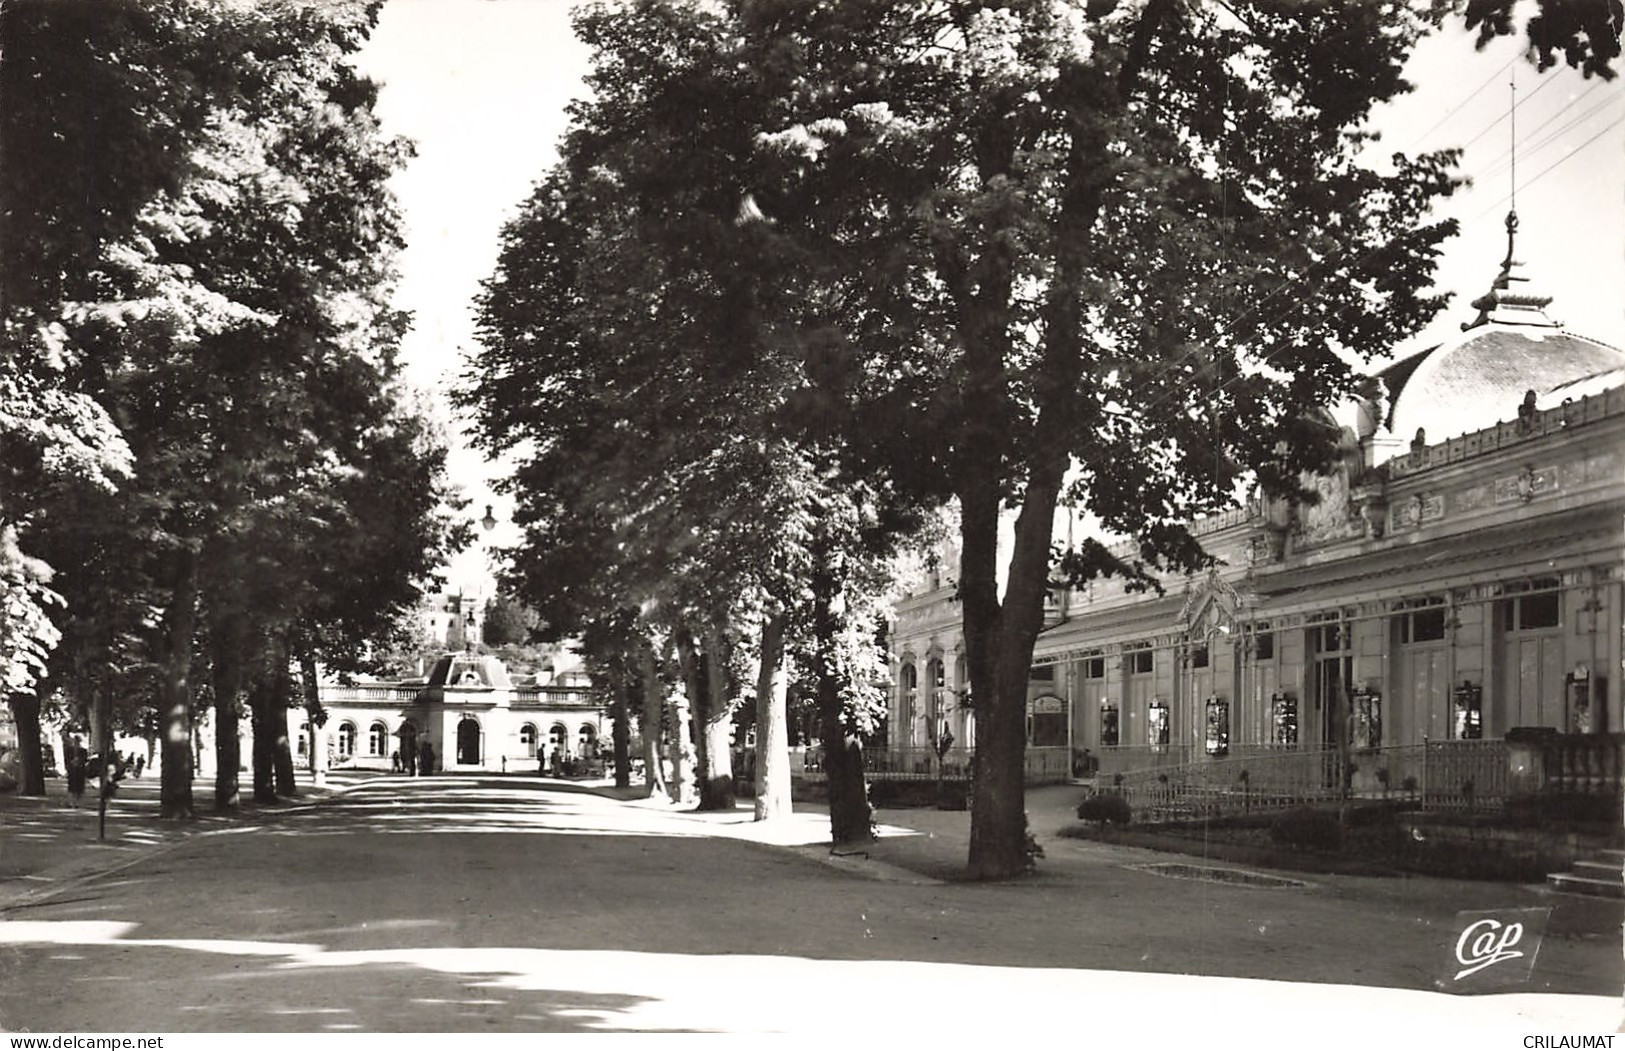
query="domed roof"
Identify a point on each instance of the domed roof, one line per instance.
(470, 670)
(1481, 377)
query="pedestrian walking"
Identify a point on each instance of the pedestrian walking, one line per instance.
(140, 764)
(112, 775)
(395, 761)
(425, 760)
(77, 762)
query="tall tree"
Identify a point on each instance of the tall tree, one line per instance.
(507, 622)
(1006, 257)
(662, 458)
(236, 326)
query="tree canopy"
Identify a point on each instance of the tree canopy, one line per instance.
(204, 244)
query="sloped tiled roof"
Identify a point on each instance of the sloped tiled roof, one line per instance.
(470, 669)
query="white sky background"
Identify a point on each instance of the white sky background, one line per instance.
(481, 86)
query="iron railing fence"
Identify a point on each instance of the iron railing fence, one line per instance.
(1464, 775)
(1042, 765)
(1174, 784)
(1215, 787)
(1437, 775)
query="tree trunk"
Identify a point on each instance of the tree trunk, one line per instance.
(96, 715)
(175, 692)
(107, 761)
(772, 726)
(654, 779)
(999, 644)
(314, 714)
(851, 819)
(262, 707)
(715, 736)
(681, 744)
(30, 753)
(287, 784)
(228, 638)
(621, 728)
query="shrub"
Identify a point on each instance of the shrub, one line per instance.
(1031, 849)
(1308, 829)
(1106, 809)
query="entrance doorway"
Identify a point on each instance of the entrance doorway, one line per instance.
(1333, 678)
(468, 742)
(408, 734)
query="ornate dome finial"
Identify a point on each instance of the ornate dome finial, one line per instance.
(1501, 304)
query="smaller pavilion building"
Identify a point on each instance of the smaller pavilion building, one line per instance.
(470, 712)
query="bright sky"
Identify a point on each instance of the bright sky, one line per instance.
(481, 86)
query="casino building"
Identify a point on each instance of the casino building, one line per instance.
(1459, 581)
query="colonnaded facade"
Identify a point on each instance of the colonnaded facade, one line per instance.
(1459, 578)
(469, 711)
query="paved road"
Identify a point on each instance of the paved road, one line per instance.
(466, 904)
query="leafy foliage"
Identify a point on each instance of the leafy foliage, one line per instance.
(204, 239)
(1116, 256)
(507, 622)
(1104, 808)
(1308, 828)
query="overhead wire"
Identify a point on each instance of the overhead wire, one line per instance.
(1265, 359)
(1548, 82)
(1187, 385)
(1457, 107)
(1617, 121)
(1554, 136)
(1320, 265)
(1501, 157)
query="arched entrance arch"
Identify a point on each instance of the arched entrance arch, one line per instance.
(468, 742)
(408, 734)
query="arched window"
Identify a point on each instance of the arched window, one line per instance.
(907, 698)
(558, 737)
(967, 714)
(527, 738)
(346, 739)
(586, 740)
(303, 745)
(936, 715)
(377, 739)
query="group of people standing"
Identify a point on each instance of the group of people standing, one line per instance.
(413, 762)
(79, 766)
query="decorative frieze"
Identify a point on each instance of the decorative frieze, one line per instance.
(1473, 498)
(1525, 486)
(1416, 510)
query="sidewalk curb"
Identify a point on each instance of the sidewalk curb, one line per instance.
(68, 879)
(858, 862)
(81, 870)
(855, 860)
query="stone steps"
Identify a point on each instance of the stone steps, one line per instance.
(1600, 875)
